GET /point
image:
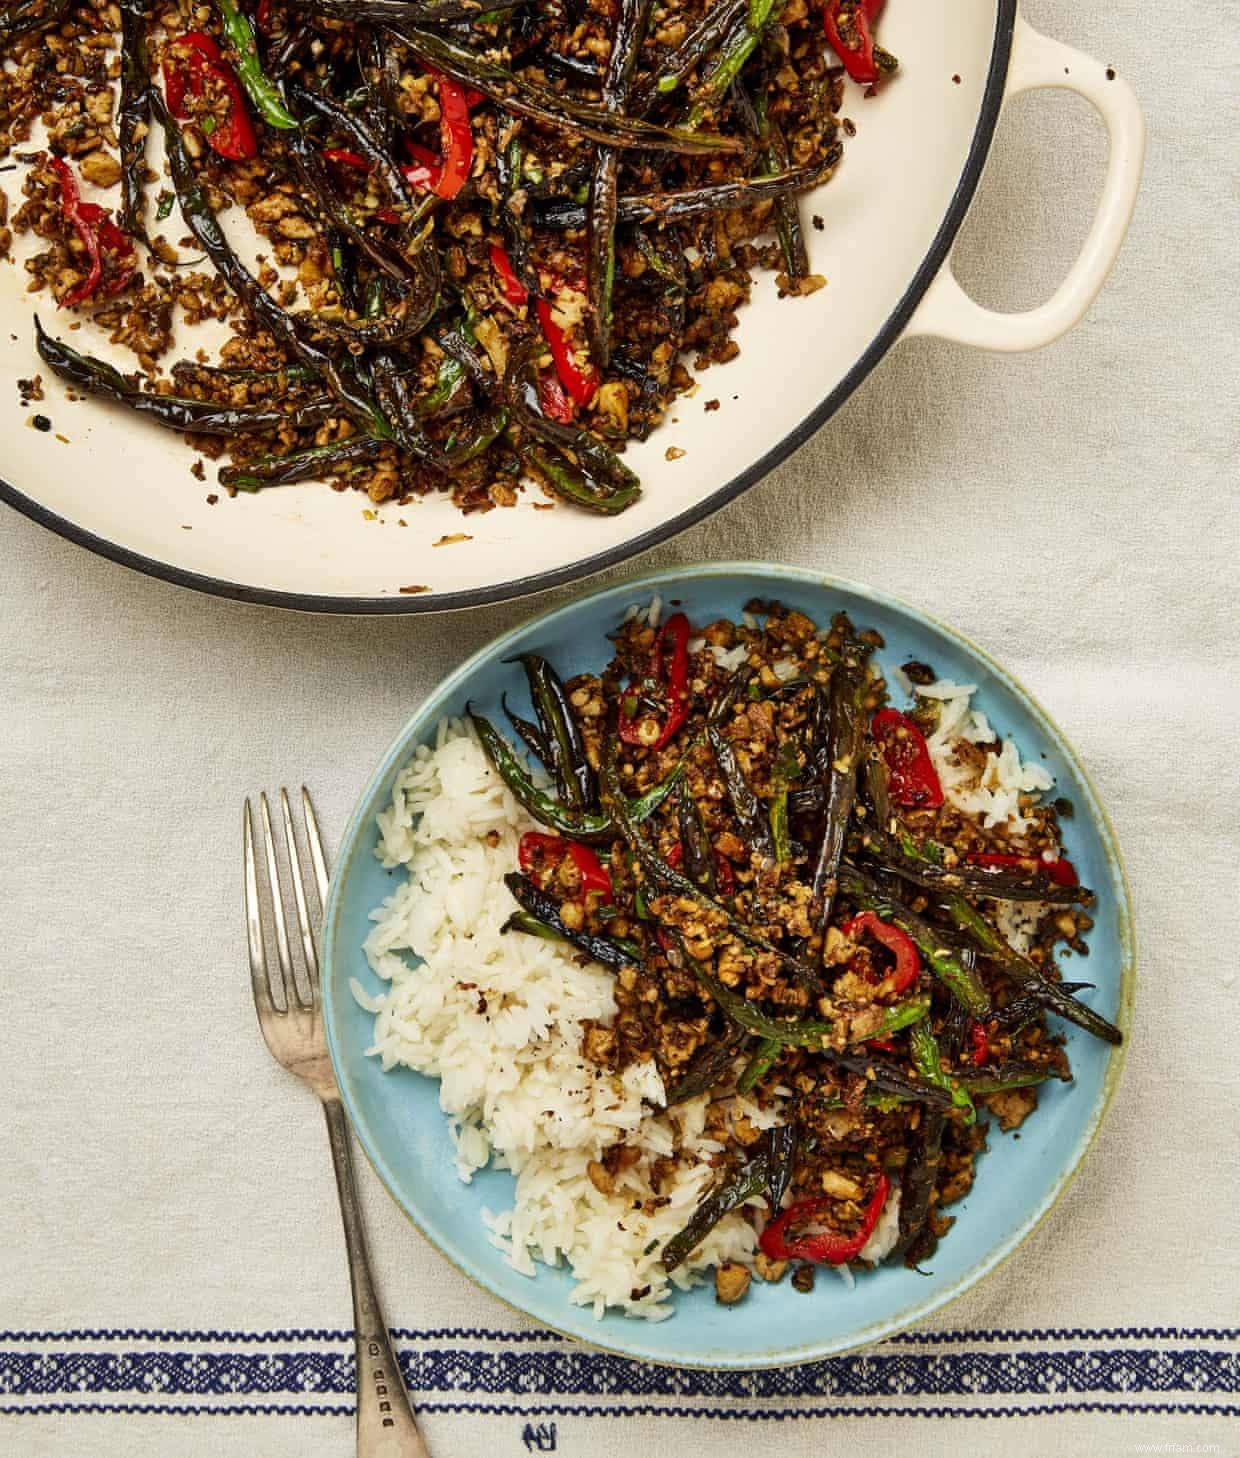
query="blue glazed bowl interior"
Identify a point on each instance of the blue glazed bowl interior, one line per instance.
(396, 1115)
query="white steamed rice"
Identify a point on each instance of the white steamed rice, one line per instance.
(498, 1020)
(993, 795)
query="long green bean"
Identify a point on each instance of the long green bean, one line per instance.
(764, 1059)
(396, 401)
(589, 474)
(545, 909)
(751, 818)
(203, 417)
(700, 42)
(27, 15)
(278, 322)
(787, 213)
(281, 378)
(1057, 999)
(604, 182)
(846, 736)
(679, 205)
(133, 115)
(568, 480)
(699, 858)
(529, 734)
(258, 85)
(902, 857)
(590, 828)
(739, 1185)
(310, 464)
(550, 108)
(574, 779)
(735, 51)
(417, 276)
(407, 12)
(709, 1064)
(927, 1060)
(1000, 1082)
(921, 1173)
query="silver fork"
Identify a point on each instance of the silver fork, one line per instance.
(292, 1027)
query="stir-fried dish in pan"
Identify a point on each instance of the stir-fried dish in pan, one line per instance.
(492, 237)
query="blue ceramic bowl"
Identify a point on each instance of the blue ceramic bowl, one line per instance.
(396, 1115)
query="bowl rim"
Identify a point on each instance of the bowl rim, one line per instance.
(660, 580)
(887, 335)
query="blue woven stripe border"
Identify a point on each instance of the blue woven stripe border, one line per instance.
(563, 1370)
(1179, 1409)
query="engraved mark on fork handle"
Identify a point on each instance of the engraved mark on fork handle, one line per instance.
(385, 1423)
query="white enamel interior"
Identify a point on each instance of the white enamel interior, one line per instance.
(128, 482)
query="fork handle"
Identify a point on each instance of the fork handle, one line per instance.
(385, 1425)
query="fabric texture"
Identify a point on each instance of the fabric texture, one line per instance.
(172, 1275)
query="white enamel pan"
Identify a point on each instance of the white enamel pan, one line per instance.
(122, 486)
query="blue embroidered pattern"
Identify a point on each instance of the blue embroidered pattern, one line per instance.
(1078, 1374)
(774, 1414)
(571, 1372)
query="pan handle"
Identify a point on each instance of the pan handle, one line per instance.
(947, 312)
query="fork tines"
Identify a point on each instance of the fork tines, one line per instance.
(265, 901)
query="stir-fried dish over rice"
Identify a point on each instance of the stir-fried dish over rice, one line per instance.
(492, 236)
(732, 960)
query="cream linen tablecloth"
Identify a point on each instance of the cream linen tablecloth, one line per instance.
(172, 1280)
